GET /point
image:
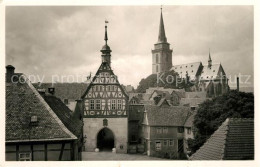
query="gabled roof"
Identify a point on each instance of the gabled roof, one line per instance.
(22, 102)
(234, 140)
(163, 101)
(166, 116)
(213, 72)
(104, 67)
(190, 68)
(65, 90)
(64, 114)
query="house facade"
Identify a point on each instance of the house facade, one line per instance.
(163, 130)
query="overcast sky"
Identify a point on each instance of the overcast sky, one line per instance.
(48, 41)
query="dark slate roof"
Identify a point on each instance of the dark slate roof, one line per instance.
(234, 140)
(65, 114)
(191, 68)
(65, 90)
(24, 101)
(166, 116)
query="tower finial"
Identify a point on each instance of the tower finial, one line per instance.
(106, 38)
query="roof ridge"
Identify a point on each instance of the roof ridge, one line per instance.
(186, 63)
(225, 139)
(51, 112)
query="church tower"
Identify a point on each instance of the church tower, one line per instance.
(162, 54)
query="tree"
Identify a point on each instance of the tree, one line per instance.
(212, 113)
(169, 79)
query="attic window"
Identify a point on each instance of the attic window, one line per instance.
(207, 76)
(186, 66)
(191, 65)
(181, 67)
(192, 71)
(213, 70)
(34, 120)
(66, 101)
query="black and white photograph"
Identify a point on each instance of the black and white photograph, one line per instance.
(143, 83)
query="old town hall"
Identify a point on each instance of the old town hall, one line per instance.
(105, 108)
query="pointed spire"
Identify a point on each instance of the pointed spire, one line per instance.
(209, 61)
(162, 36)
(106, 38)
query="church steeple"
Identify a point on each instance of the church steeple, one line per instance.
(106, 49)
(209, 61)
(162, 37)
(161, 54)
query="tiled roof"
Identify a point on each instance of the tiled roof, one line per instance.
(65, 90)
(234, 140)
(166, 116)
(64, 114)
(195, 94)
(212, 72)
(190, 68)
(22, 102)
(192, 101)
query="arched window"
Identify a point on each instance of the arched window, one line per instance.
(157, 58)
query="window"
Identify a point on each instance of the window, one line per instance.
(157, 58)
(180, 129)
(34, 119)
(97, 88)
(25, 157)
(66, 101)
(113, 104)
(165, 130)
(108, 88)
(119, 104)
(189, 131)
(115, 87)
(157, 69)
(165, 142)
(101, 88)
(171, 143)
(98, 104)
(159, 130)
(158, 145)
(92, 104)
(105, 123)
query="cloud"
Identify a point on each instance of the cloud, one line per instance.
(67, 40)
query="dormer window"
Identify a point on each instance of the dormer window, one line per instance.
(213, 70)
(191, 65)
(33, 120)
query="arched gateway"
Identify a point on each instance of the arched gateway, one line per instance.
(105, 140)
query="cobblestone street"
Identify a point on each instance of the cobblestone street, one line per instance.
(109, 156)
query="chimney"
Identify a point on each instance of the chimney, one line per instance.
(238, 84)
(51, 91)
(9, 73)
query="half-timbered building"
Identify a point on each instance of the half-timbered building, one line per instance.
(105, 105)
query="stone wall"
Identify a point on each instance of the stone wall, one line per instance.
(118, 126)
